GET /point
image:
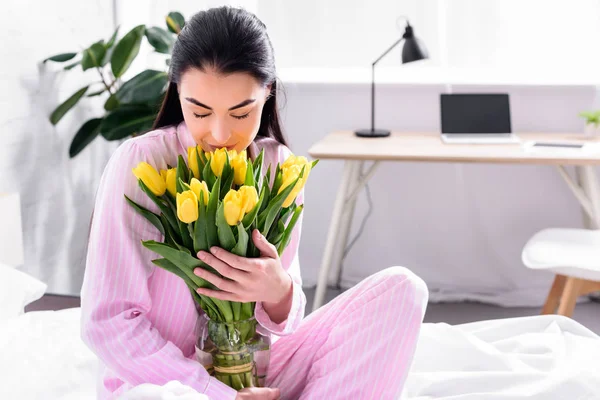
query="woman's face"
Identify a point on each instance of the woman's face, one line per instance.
(222, 110)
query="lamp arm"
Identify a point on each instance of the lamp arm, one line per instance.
(373, 81)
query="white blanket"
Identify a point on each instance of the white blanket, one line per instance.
(541, 357)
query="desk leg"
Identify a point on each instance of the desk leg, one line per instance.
(345, 188)
(588, 180)
(346, 220)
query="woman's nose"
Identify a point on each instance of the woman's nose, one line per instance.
(220, 132)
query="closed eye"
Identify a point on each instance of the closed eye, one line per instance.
(241, 116)
(201, 115)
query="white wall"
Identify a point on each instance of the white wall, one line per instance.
(56, 192)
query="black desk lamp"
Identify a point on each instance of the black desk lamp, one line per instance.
(412, 50)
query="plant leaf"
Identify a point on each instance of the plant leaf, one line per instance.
(111, 103)
(149, 215)
(127, 120)
(96, 93)
(62, 109)
(145, 87)
(182, 260)
(126, 50)
(71, 66)
(61, 57)
(84, 136)
(241, 246)
(175, 22)
(160, 39)
(93, 56)
(211, 213)
(226, 238)
(200, 236)
(182, 174)
(287, 235)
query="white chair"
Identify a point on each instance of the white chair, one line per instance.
(574, 256)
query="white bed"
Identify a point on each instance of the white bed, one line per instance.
(540, 357)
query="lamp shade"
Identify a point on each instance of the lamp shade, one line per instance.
(413, 49)
(11, 232)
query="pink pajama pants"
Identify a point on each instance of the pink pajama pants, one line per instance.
(358, 346)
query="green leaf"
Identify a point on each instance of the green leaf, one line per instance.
(208, 176)
(84, 136)
(93, 55)
(258, 162)
(166, 210)
(188, 243)
(275, 206)
(149, 215)
(249, 179)
(226, 238)
(242, 244)
(182, 174)
(71, 66)
(61, 57)
(313, 164)
(96, 93)
(181, 259)
(160, 39)
(111, 103)
(127, 120)
(285, 240)
(266, 193)
(126, 51)
(211, 215)
(143, 88)
(175, 22)
(112, 39)
(200, 234)
(67, 105)
(205, 302)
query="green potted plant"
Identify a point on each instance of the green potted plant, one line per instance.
(592, 122)
(131, 106)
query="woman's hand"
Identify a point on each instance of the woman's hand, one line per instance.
(246, 279)
(258, 394)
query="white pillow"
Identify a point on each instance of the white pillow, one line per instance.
(17, 289)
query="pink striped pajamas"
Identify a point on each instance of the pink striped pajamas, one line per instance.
(143, 324)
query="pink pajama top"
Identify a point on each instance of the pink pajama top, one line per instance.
(140, 320)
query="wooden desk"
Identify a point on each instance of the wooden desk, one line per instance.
(428, 147)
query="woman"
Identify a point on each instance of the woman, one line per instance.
(141, 320)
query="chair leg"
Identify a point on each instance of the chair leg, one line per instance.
(553, 298)
(569, 296)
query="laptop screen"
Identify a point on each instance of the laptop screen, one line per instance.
(475, 113)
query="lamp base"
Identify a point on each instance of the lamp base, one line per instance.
(374, 133)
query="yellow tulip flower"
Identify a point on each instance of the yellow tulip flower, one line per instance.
(193, 161)
(200, 187)
(217, 161)
(187, 206)
(291, 169)
(170, 177)
(233, 207)
(151, 178)
(240, 166)
(249, 197)
(237, 203)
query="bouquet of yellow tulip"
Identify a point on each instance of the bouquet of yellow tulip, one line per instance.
(217, 199)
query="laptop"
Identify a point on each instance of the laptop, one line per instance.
(476, 118)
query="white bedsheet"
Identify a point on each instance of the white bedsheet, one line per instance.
(541, 357)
